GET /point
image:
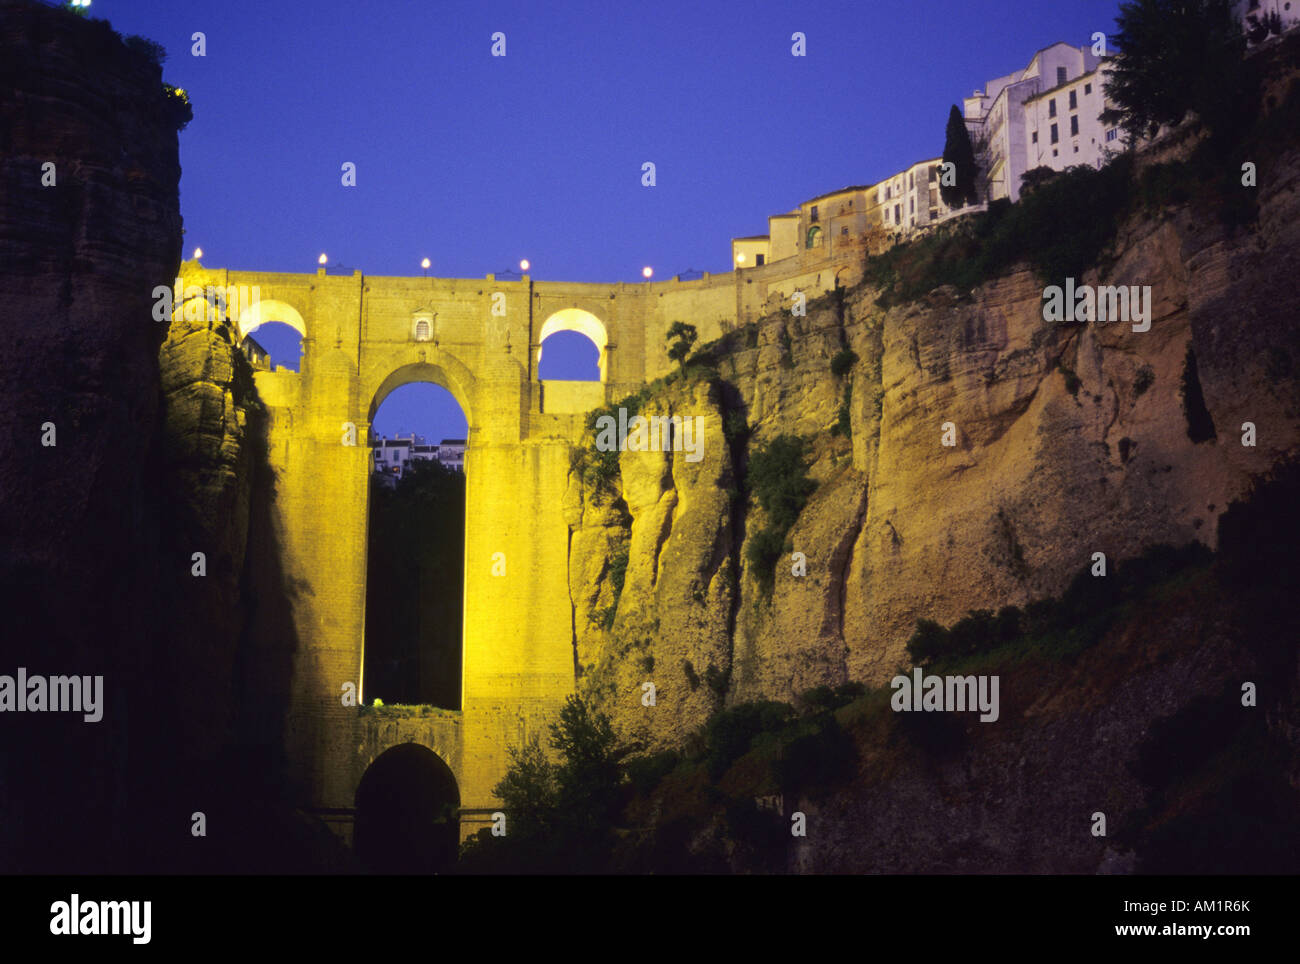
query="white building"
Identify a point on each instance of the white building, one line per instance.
(1063, 125)
(391, 456)
(1047, 114)
(910, 200)
(1254, 12)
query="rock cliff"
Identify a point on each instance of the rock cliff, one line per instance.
(1070, 439)
(89, 224)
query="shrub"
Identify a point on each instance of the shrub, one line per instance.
(826, 699)
(153, 51)
(681, 337)
(178, 106)
(765, 548)
(977, 632)
(842, 361)
(778, 478)
(729, 734)
(618, 570)
(646, 772)
(844, 417)
(816, 759)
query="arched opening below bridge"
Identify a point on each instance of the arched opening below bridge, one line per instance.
(568, 348)
(415, 551)
(279, 333)
(407, 813)
(275, 346)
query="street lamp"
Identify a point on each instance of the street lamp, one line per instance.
(647, 271)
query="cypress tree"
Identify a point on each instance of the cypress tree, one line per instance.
(957, 150)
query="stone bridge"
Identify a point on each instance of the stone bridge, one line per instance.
(363, 337)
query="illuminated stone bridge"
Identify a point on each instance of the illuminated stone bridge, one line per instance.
(363, 337)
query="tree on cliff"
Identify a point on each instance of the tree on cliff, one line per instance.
(957, 183)
(681, 337)
(560, 815)
(1177, 56)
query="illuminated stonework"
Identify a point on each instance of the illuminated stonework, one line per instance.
(362, 338)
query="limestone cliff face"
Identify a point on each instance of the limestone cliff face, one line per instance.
(670, 527)
(208, 465)
(149, 464)
(83, 242)
(1070, 439)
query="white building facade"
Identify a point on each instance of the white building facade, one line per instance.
(1046, 115)
(1254, 12)
(1063, 125)
(392, 456)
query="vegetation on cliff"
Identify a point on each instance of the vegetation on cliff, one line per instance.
(778, 479)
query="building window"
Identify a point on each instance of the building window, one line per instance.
(1112, 134)
(932, 170)
(1060, 76)
(1055, 135)
(1074, 100)
(1051, 107)
(898, 213)
(1087, 89)
(813, 217)
(889, 192)
(1074, 126)
(911, 208)
(422, 330)
(850, 205)
(758, 260)
(911, 180)
(1034, 137)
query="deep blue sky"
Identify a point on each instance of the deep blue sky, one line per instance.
(477, 161)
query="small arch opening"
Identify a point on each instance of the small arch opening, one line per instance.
(407, 813)
(582, 331)
(280, 330)
(276, 345)
(568, 356)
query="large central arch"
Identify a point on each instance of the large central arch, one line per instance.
(446, 374)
